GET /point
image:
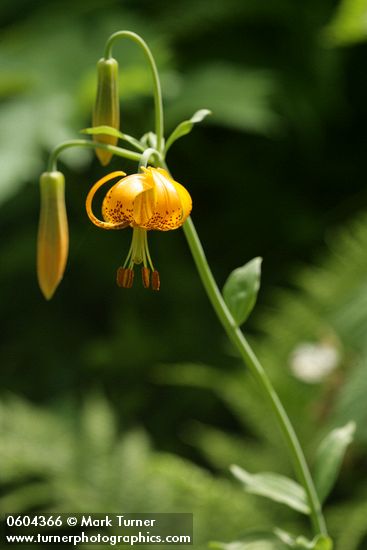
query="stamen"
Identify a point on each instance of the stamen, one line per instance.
(124, 277)
(138, 254)
(145, 275)
(156, 283)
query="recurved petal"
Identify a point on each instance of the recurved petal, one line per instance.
(89, 201)
(53, 234)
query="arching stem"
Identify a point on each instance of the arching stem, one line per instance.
(144, 159)
(157, 91)
(118, 151)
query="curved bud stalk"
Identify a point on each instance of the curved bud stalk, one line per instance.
(53, 233)
(107, 106)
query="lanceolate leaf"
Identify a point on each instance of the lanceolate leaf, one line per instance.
(241, 288)
(109, 131)
(330, 457)
(260, 544)
(186, 126)
(255, 541)
(320, 542)
(275, 487)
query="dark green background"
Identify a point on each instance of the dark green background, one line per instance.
(278, 167)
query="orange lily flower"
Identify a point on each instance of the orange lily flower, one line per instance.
(147, 200)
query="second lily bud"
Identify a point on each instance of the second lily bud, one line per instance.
(53, 234)
(107, 105)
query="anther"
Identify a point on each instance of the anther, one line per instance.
(156, 283)
(145, 275)
(125, 277)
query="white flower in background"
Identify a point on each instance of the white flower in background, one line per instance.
(312, 362)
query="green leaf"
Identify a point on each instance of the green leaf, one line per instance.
(149, 140)
(320, 542)
(241, 288)
(329, 458)
(285, 537)
(109, 131)
(323, 543)
(251, 541)
(186, 126)
(349, 24)
(261, 544)
(274, 486)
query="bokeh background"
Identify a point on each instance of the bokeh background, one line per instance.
(115, 400)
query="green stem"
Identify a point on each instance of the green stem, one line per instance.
(239, 341)
(250, 359)
(118, 151)
(144, 159)
(159, 124)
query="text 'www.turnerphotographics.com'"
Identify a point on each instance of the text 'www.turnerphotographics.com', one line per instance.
(112, 529)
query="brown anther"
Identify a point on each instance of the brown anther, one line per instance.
(125, 277)
(145, 275)
(156, 283)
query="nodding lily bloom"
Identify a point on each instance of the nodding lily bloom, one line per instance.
(147, 200)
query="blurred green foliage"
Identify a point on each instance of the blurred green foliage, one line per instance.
(85, 467)
(277, 171)
(349, 24)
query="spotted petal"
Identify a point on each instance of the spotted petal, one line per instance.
(129, 201)
(172, 201)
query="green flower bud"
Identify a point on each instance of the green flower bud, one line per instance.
(53, 233)
(107, 106)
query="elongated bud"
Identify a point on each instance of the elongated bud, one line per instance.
(53, 233)
(107, 106)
